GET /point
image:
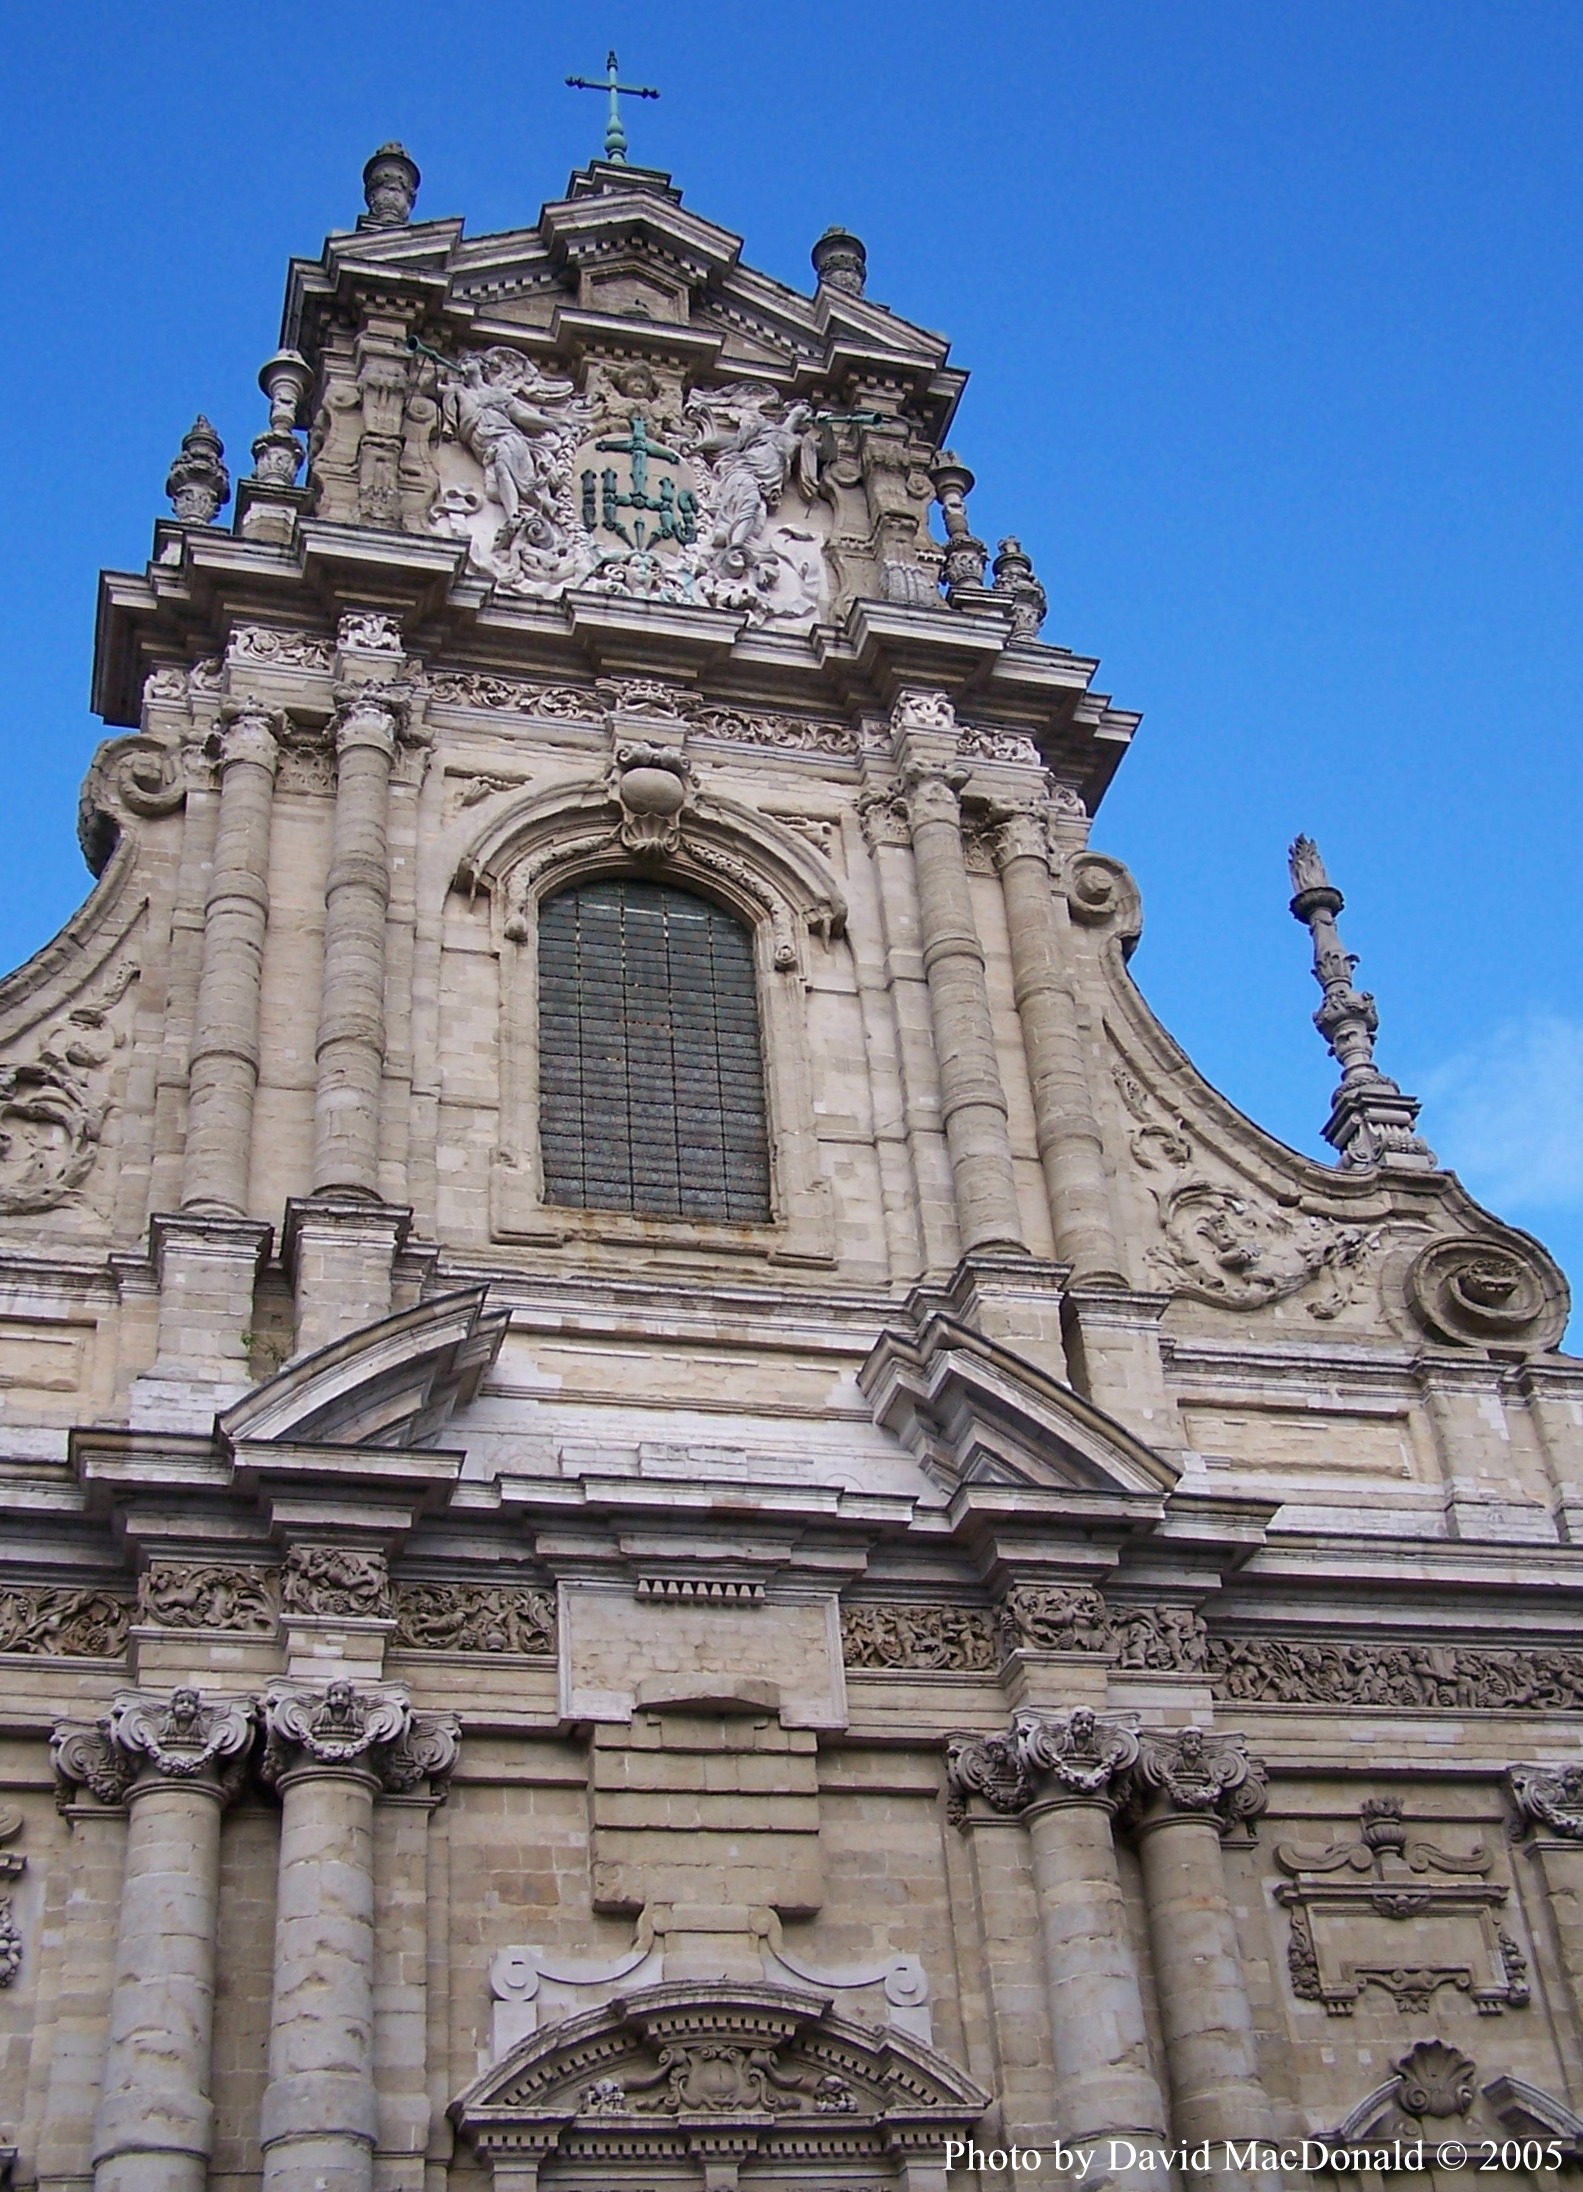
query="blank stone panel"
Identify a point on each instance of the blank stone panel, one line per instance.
(651, 1075)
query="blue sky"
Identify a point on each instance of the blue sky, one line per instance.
(1276, 329)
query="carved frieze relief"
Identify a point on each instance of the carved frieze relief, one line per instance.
(1272, 1670)
(48, 1623)
(281, 650)
(952, 1639)
(181, 1594)
(334, 1581)
(469, 1617)
(548, 703)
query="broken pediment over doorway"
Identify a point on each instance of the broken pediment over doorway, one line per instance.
(715, 2088)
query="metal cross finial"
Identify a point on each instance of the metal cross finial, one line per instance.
(615, 135)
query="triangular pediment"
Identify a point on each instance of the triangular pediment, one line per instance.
(392, 1384)
(975, 1413)
(772, 2064)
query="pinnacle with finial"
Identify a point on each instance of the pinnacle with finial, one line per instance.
(1371, 1121)
(615, 134)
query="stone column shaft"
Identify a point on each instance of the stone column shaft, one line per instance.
(318, 2120)
(1070, 1145)
(972, 1100)
(1200, 1783)
(222, 1073)
(155, 2125)
(1105, 2085)
(351, 1040)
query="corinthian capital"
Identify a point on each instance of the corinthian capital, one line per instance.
(248, 732)
(986, 1766)
(182, 1737)
(371, 715)
(1186, 1773)
(1080, 1754)
(1019, 833)
(1548, 1797)
(370, 1728)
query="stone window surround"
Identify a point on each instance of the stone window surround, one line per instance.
(559, 853)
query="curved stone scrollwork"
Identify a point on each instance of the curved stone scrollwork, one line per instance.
(339, 1725)
(1489, 1292)
(135, 776)
(49, 1136)
(1102, 894)
(85, 1758)
(1548, 1798)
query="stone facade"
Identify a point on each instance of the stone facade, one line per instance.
(1064, 1630)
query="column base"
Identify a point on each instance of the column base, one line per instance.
(206, 1269)
(340, 1252)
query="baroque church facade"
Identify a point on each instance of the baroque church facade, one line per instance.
(680, 1510)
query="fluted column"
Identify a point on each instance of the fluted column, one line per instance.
(175, 1760)
(330, 1752)
(350, 1052)
(1070, 1146)
(1191, 1787)
(222, 1073)
(1063, 1772)
(972, 1100)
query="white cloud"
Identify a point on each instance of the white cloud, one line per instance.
(1508, 1115)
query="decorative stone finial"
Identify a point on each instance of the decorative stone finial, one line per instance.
(277, 454)
(390, 187)
(199, 485)
(964, 555)
(1014, 576)
(840, 262)
(1371, 1122)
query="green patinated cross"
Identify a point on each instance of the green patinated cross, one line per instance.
(615, 135)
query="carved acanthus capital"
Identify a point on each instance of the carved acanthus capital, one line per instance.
(249, 732)
(986, 1766)
(931, 787)
(1549, 1798)
(342, 1726)
(183, 1737)
(1080, 1754)
(882, 815)
(426, 1753)
(1019, 833)
(371, 715)
(1186, 1773)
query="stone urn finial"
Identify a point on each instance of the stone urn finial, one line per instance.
(390, 187)
(840, 262)
(199, 485)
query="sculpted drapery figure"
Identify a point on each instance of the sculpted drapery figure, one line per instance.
(517, 422)
(752, 445)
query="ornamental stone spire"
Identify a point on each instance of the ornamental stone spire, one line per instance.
(1371, 1121)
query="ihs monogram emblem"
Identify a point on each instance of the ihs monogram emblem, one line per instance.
(672, 505)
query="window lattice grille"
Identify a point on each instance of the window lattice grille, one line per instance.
(651, 1082)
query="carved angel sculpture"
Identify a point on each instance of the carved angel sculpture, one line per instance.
(520, 425)
(752, 445)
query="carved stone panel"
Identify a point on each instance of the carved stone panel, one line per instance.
(1392, 1910)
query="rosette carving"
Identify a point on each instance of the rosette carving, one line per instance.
(1485, 1292)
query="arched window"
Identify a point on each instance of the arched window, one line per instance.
(651, 1076)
